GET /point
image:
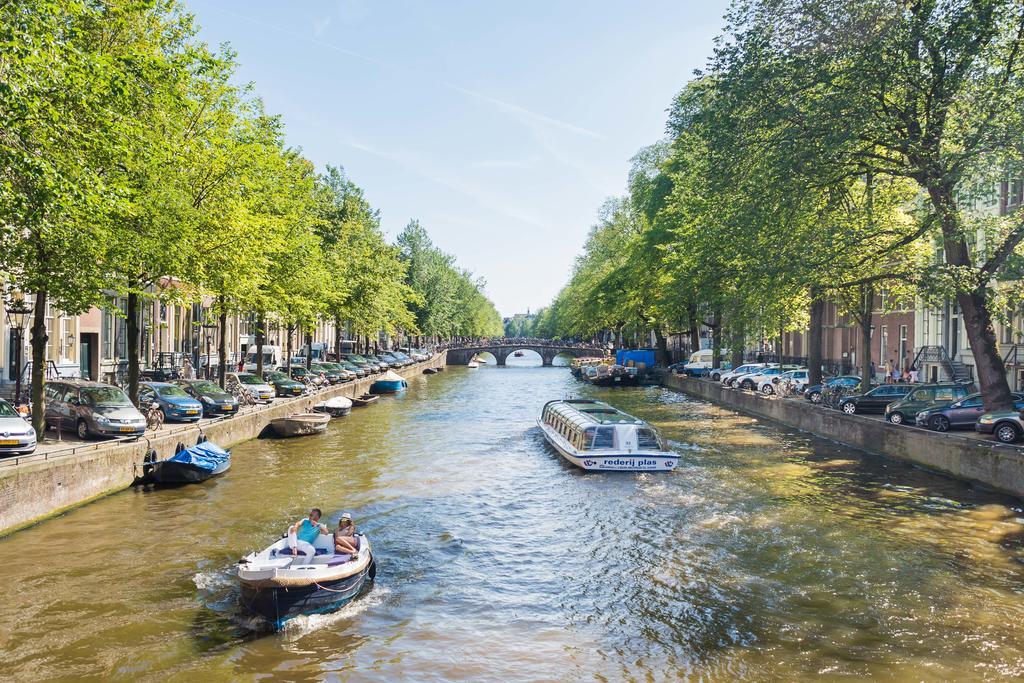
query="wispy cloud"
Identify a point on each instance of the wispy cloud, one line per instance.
(501, 164)
(321, 25)
(485, 199)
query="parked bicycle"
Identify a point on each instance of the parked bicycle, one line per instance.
(154, 416)
(235, 388)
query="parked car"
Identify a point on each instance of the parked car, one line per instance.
(173, 402)
(360, 371)
(742, 370)
(716, 373)
(259, 390)
(301, 374)
(358, 360)
(283, 384)
(797, 377)
(332, 375)
(16, 435)
(962, 414)
(91, 409)
(214, 399)
(1007, 425)
(814, 393)
(874, 401)
(753, 381)
(923, 397)
(344, 374)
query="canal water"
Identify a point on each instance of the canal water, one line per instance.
(767, 555)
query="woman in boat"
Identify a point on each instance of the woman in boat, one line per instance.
(344, 537)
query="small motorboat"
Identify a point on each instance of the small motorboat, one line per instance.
(518, 354)
(472, 365)
(390, 383)
(339, 406)
(429, 371)
(189, 465)
(279, 586)
(300, 424)
(364, 400)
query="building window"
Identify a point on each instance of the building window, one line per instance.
(926, 325)
(1007, 335)
(883, 344)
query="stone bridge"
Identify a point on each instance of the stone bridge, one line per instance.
(501, 352)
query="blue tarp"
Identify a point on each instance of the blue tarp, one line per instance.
(637, 356)
(206, 456)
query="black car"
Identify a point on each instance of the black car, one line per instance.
(814, 393)
(214, 399)
(283, 385)
(875, 400)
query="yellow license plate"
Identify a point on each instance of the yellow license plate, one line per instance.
(9, 442)
(127, 429)
(229, 407)
(191, 412)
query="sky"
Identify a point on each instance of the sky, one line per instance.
(500, 126)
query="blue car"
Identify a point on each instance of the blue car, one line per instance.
(174, 403)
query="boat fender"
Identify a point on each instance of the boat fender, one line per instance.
(179, 448)
(151, 456)
(201, 439)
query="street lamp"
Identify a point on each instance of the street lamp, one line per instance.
(209, 327)
(18, 311)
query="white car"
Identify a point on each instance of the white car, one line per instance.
(754, 379)
(797, 377)
(742, 370)
(258, 390)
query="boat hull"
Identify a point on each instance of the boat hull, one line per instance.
(387, 387)
(363, 400)
(609, 461)
(332, 411)
(171, 473)
(289, 426)
(278, 604)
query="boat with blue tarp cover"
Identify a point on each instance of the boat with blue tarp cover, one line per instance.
(191, 465)
(390, 383)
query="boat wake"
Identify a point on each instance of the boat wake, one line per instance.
(213, 581)
(305, 624)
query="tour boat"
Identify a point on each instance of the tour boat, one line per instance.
(364, 400)
(300, 424)
(595, 436)
(390, 383)
(339, 406)
(473, 365)
(279, 586)
(189, 465)
(518, 354)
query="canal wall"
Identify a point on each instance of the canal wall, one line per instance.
(989, 463)
(37, 488)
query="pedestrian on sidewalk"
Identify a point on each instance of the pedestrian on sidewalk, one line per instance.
(913, 374)
(187, 371)
(874, 371)
(895, 374)
(888, 372)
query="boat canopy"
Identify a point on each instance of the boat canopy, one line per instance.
(205, 456)
(391, 376)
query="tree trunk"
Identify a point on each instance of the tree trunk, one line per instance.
(981, 335)
(694, 331)
(867, 303)
(132, 330)
(662, 342)
(814, 334)
(716, 340)
(39, 339)
(739, 339)
(309, 348)
(337, 338)
(288, 348)
(260, 334)
(222, 343)
(778, 346)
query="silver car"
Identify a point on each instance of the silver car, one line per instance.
(16, 435)
(91, 409)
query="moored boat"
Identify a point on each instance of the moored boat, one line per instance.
(472, 365)
(300, 424)
(279, 586)
(595, 436)
(390, 383)
(339, 406)
(364, 400)
(189, 465)
(430, 371)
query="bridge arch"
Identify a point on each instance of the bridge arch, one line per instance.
(530, 357)
(547, 349)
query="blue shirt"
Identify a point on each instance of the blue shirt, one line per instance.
(308, 531)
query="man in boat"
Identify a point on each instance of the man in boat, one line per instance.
(303, 533)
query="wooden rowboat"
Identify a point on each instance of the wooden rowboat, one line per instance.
(300, 424)
(364, 400)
